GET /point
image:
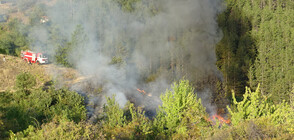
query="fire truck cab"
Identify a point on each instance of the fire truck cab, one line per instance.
(32, 57)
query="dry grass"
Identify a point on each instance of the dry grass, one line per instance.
(62, 74)
(14, 66)
(4, 8)
(44, 74)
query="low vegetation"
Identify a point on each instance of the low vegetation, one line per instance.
(35, 106)
(34, 113)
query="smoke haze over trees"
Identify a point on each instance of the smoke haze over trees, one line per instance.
(138, 44)
(129, 52)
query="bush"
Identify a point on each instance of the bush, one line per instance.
(128, 123)
(254, 106)
(40, 106)
(20, 109)
(67, 104)
(259, 128)
(114, 114)
(61, 129)
(180, 111)
(25, 81)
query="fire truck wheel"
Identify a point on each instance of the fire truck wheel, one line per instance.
(38, 63)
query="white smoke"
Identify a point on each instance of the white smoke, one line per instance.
(168, 38)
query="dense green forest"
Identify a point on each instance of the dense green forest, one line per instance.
(255, 56)
(257, 47)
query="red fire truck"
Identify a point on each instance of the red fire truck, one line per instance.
(32, 57)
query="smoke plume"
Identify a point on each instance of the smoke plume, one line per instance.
(147, 45)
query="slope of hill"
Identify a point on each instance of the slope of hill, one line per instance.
(64, 77)
(13, 66)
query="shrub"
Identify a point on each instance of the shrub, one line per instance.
(25, 81)
(61, 129)
(114, 114)
(255, 106)
(139, 125)
(258, 128)
(128, 123)
(67, 104)
(180, 111)
(29, 106)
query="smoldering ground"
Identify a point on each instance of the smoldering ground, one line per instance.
(147, 44)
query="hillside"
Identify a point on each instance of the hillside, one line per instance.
(14, 66)
(43, 73)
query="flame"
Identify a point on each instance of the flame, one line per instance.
(219, 118)
(143, 92)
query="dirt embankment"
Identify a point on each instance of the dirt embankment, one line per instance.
(63, 77)
(14, 66)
